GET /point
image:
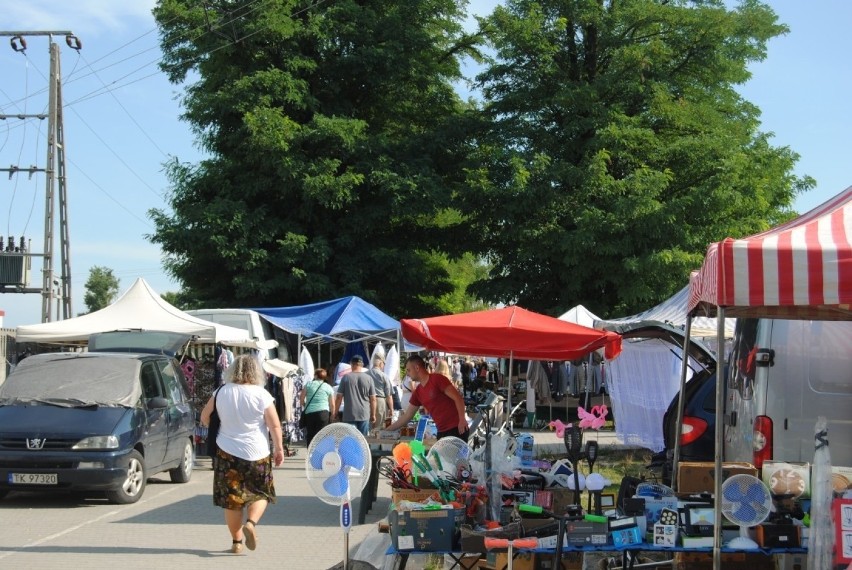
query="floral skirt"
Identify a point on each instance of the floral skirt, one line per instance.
(239, 482)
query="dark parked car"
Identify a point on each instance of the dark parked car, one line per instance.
(97, 421)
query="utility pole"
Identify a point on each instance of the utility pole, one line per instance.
(55, 179)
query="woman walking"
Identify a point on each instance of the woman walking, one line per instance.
(317, 404)
(242, 466)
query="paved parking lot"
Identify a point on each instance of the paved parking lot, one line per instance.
(175, 526)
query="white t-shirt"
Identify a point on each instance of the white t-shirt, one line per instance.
(243, 432)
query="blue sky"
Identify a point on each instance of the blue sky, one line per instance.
(121, 123)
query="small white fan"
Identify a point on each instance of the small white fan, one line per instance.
(745, 502)
(450, 456)
(655, 490)
(338, 464)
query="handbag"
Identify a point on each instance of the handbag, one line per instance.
(213, 428)
(303, 421)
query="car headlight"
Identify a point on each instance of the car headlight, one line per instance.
(97, 442)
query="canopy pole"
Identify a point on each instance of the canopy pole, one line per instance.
(717, 472)
(508, 418)
(680, 401)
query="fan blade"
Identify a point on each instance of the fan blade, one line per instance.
(322, 447)
(350, 452)
(745, 512)
(734, 493)
(337, 485)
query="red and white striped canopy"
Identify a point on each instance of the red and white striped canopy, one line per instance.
(799, 270)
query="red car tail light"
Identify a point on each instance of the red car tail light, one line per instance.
(691, 429)
(762, 440)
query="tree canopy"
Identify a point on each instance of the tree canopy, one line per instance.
(101, 288)
(609, 148)
(619, 148)
(335, 139)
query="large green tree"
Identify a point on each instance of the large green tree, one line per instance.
(620, 148)
(101, 288)
(336, 141)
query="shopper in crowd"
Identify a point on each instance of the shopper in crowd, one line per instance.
(441, 399)
(384, 394)
(318, 404)
(358, 395)
(242, 466)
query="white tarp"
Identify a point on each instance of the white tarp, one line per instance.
(672, 311)
(140, 307)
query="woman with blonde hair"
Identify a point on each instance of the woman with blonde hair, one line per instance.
(242, 465)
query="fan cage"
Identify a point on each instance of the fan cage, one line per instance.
(745, 500)
(350, 450)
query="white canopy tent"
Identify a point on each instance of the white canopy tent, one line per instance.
(140, 307)
(671, 311)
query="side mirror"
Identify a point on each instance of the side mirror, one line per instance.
(157, 403)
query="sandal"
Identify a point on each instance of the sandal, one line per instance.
(251, 537)
(236, 546)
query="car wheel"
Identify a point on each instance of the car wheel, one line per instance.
(183, 472)
(134, 484)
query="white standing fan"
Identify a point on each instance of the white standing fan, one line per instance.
(450, 456)
(338, 465)
(745, 502)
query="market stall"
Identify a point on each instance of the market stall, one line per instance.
(799, 270)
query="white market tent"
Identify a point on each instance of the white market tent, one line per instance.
(672, 311)
(140, 307)
(645, 377)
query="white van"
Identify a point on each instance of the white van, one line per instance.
(781, 376)
(259, 328)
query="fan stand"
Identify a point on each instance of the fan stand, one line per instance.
(743, 541)
(346, 525)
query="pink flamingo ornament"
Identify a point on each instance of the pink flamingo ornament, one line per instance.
(594, 418)
(559, 426)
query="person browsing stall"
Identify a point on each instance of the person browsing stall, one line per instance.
(441, 399)
(318, 404)
(242, 466)
(384, 397)
(357, 393)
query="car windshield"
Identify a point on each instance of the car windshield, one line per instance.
(73, 380)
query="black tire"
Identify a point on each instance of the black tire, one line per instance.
(183, 472)
(134, 483)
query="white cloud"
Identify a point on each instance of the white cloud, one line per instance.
(83, 17)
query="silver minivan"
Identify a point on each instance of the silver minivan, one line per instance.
(781, 376)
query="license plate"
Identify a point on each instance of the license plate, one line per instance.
(33, 479)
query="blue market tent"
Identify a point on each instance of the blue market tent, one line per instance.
(348, 320)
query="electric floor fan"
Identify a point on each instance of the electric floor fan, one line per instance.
(450, 456)
(746, 502)
(338, 465)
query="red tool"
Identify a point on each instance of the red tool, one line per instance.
(494, 543)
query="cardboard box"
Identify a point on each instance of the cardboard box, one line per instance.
(791, 562)
(583, 533)
(697, 476)
(521, 561)
(535, 561)
(425, 530)
(841, 478)
(665, 535)
(785, 478)
(730, 561)
(398, 495)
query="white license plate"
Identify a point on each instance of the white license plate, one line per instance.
(33, 479)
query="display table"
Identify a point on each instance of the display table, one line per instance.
(628, 552)
(378, 449)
